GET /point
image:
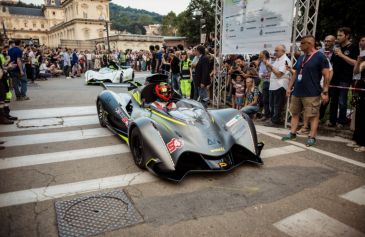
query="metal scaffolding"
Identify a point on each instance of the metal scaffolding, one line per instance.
(305, 23)
(219, 82)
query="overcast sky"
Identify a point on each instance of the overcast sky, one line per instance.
(160, 6)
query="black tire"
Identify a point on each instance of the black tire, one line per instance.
(101, 114)
(137, 147)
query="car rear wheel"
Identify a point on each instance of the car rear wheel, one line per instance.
(101, 114)
(137, 148)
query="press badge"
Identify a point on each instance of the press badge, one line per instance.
(299, 77)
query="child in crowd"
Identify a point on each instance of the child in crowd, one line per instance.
(239, 85)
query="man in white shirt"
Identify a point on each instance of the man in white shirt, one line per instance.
(89, 61)
(279, 80)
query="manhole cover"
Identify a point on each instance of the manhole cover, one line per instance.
(28, 123)
(96, 214)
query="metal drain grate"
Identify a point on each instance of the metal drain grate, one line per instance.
(95, 214)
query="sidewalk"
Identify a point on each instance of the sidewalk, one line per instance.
(323, 130)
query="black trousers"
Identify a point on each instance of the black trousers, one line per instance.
(277, 101)
(29, 71)
(359, 133)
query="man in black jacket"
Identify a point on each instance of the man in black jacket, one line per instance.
(175, 70)
(202, 76)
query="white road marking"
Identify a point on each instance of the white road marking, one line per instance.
(58, 191)
(332, 155)
(54, 112)
(312, 223)
(64, 190)
(357, 196)
(34, 124)
(285, 131)
(39, 159)
(267, 153)
(55, 137)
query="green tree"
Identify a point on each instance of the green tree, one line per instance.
(189, 24)
(169, 24)
(131, 19)
(333, 14)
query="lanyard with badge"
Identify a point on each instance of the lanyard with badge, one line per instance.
(304, 62)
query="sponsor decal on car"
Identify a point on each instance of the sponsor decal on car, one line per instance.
(174, 144)
(119, 111)
(213, 141)
(125, 120)
(234, 120)
(222, 164)
(220, 149)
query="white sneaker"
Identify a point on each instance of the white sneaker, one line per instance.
(68, 77)
(352, 144)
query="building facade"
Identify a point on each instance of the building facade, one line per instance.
(56, 20)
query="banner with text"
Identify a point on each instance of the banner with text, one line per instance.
(250, 26)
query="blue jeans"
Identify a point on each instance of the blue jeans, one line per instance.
(338, 100)
(239, 100)
(251, 109)
(19, 84)
(175, 80)
(203, 96)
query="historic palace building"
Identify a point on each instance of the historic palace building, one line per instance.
(56, 20)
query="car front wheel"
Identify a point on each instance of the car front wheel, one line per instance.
(101, 114)
(137, 148)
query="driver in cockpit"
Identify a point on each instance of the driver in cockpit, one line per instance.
(164, 95)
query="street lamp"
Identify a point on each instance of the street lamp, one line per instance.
(107, 31)
(198, 15)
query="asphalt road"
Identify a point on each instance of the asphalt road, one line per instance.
(57, 152)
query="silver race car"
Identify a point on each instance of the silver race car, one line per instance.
(110, 74)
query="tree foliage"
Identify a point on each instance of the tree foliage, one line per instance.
(334, 14)
(131, 19)
(189, 25)
(169, 23)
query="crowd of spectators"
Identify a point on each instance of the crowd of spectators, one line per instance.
(320, 76)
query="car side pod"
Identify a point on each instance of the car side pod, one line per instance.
(258, 145)
(152, 140)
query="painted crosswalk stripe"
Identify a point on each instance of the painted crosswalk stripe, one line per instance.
(54, 112)
(55, 137)
(357, 196)
(46, 123)
(310, 222)
(71, 155)
(57, 191)
(64, 190)
(267, 153)
(39, 159)
(326, 153)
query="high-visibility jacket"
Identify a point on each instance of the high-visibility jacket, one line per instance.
(122, 58)
(185, 69)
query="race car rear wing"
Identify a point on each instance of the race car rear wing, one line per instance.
(130, 85)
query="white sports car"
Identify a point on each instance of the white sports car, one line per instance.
(109, 74)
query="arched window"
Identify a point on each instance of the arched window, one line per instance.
(86, 33)
(99, 9)
(101, 33)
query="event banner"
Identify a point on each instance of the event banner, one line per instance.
(250, 26)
